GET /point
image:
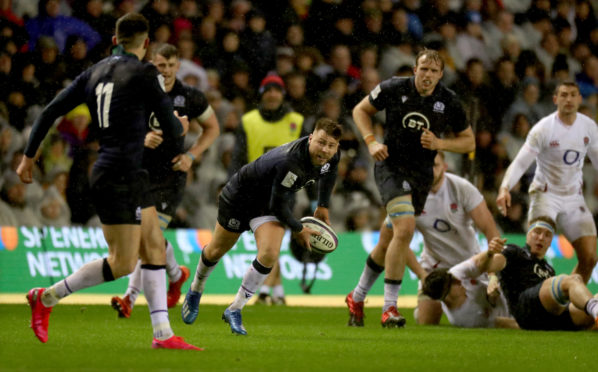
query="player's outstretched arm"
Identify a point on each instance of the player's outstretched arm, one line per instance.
(484, 221)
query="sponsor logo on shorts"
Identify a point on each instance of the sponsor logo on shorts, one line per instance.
(233, 223)
(289, 179)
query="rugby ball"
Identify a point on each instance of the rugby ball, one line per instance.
(324, 243)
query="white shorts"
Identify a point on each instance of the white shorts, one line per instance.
(254, 223)
(570, 212)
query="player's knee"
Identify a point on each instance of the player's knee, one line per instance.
(575, 278)
(400, 207)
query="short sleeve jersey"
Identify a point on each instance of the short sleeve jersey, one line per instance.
(476, 311)
(187, 101)
(407, 113)
(561, 150)
(121, 92)
(446, 224)
(522, 271)
(262, 186)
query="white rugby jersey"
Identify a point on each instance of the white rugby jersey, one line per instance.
(560, 152)
(447, 228)
(476, 311)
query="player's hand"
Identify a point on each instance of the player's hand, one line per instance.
(429, 140)
(503, 200)
(184, 122)
(304, 235)
(25, 169)
(493, 289)
(182, 162)
(496, 245)
(153, 139)
(321, 213)
(379, 151)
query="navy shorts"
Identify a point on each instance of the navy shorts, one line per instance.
(395, 181)
(116, 196)
(165, 194)
(530, 314)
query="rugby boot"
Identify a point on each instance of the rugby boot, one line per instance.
(190, 307)
(233, 318)
(40, 314)
(175, 342)
(391, 318)
(174, 288)
(122, 306)
(355, 311)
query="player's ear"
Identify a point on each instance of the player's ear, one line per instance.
(309, 141)
(114, 42)
(146, 43)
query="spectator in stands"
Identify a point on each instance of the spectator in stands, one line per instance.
(13, 193)
(59, 27)
(50, 68)
(258, 45)
(588, 78)
(53, 210)
(471, 42)
(91, 12)
(76, 57)
(527, 103)
(296, 94)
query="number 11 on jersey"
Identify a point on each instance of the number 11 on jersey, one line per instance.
(103, 97)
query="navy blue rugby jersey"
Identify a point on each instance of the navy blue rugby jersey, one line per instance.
(267, 185)
(187, 101)
(407, 113)
(121, 92)
(521, 272)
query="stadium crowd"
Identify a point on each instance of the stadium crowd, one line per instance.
(503, 58)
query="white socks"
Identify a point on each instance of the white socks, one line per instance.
(370, 274)
(172, 267)
(135, 284)
(155, 292)
(87, 276)
(254, 277)
(391, 293)
(204, 269)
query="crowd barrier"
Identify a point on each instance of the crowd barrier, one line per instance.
(34, 257)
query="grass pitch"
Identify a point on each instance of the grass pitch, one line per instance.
(92, 338)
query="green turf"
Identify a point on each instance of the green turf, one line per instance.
(281, 338)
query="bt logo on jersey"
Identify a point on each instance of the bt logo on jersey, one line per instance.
(415, 120)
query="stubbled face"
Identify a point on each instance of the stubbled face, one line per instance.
(167, 67)
(427, 75)
(567, 99)
(539, 240)
(322, 147)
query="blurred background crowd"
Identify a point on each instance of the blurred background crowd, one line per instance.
(502, 58)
